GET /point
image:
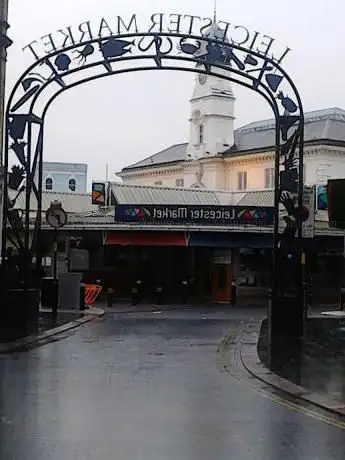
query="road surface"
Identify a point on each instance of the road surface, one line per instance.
(153, 387)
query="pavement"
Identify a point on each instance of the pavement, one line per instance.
(153, 385)
(50, 328)
(312, 369)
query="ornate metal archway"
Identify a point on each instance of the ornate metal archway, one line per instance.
(80, 63)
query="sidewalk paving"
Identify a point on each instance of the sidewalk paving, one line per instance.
(46, 322)
(316, 363)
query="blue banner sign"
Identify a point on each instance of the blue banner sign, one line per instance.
(195, 214)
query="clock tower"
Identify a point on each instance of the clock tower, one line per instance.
(212, 111)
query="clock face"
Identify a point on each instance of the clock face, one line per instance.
(202, 78)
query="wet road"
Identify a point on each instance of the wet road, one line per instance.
(149, 387)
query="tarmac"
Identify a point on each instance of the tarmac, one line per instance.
(316, 374)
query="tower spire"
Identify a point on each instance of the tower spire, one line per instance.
(215, 12)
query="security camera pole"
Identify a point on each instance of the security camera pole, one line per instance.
(5, 42)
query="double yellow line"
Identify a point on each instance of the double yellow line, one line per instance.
(222, 351)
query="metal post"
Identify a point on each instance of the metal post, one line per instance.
(5, 42)
(342, 288)
(55, 253)
(55, 280)
(106, 186)
(27, 254)
(269, 315)
(304, 291)
(301, 293)
(273, 307)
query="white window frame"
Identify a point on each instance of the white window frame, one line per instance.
(50, 179)
(269, 177)
(69, 184)
(201, 133)
(179, 182)
(242, 180)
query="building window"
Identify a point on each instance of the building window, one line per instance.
(49, 183)
(179, 182)
(201, 134)
(269, 178)
(242, 180)
(159, 182)
(72, 185)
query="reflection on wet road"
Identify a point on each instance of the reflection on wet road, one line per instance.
(148, 387)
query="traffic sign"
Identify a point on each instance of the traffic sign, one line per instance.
(56, 216)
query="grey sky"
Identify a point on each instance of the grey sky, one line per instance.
(122, 119)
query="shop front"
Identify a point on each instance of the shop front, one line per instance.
(178, 249)
(206, 262)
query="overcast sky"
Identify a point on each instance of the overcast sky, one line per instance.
(122, 119)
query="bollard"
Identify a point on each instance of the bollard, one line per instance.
(135, 296)
(136, 293)
(305, 300)
(233, 293)
(270, 294)
(55, 298)
(110, 293)
(138, 290)
(309, 292)
(342, 298)
(159, 294)
(82, 305)
(184, 291)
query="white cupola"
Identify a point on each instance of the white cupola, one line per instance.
(212, 110)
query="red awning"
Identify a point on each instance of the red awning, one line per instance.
(146, 238)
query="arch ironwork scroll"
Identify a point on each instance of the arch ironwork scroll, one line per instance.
(80, 63)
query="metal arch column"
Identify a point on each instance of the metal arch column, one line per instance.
(29, 155)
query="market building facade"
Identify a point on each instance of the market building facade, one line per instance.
(147, 241)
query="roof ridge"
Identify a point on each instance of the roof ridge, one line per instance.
(308, 117)
(318, 124)
(161, 187)
(325, 129)
(153, 156)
